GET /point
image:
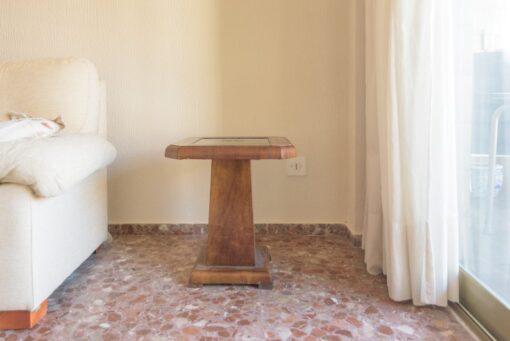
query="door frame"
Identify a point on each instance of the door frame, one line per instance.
(484, 305)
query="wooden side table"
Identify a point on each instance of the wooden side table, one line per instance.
(231, 256)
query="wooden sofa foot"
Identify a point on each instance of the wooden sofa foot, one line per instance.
(22, 319)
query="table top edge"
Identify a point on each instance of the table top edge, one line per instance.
(279, 148)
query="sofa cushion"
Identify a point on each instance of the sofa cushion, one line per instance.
(49, 166)
(22, 126)
(42, 87)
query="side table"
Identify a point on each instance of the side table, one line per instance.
(231, 256)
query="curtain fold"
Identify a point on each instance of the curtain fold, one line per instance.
(411, 216)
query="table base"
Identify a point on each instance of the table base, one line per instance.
(259, 274)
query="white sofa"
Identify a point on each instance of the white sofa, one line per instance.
(43, 240)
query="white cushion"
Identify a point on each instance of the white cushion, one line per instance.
(52, 165)
(28, 127)
(51, 87)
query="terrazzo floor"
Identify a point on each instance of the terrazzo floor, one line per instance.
(135, 289)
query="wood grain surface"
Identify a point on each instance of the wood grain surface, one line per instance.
(22, 319)
(231, 239)
(259, 274)
(277, 148)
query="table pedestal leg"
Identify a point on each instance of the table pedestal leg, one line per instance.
(231, 256)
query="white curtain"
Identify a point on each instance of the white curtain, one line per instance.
(411, 216)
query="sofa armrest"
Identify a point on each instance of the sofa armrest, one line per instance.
(43, 240)
(16, 267)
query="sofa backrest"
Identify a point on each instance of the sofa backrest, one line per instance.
(50, 87)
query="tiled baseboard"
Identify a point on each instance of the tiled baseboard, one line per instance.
(181, 229)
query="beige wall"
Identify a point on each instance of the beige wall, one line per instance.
(356, 128)
(285, 72)
(176, 68)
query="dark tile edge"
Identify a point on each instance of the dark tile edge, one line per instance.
(190, 229)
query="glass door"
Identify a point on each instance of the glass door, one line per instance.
(483, 104)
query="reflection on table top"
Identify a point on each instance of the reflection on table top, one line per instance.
(232, 141)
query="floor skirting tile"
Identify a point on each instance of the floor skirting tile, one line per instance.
(192, 229)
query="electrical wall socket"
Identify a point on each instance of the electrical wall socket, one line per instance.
(296, 166)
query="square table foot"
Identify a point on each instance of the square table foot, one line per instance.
(258, 275)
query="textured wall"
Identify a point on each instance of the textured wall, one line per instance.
(356, 117)
(203, 67)
(285, 72)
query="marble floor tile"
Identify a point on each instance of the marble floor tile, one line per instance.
(135, 288)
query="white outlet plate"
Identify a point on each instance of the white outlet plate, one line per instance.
(296, 166)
